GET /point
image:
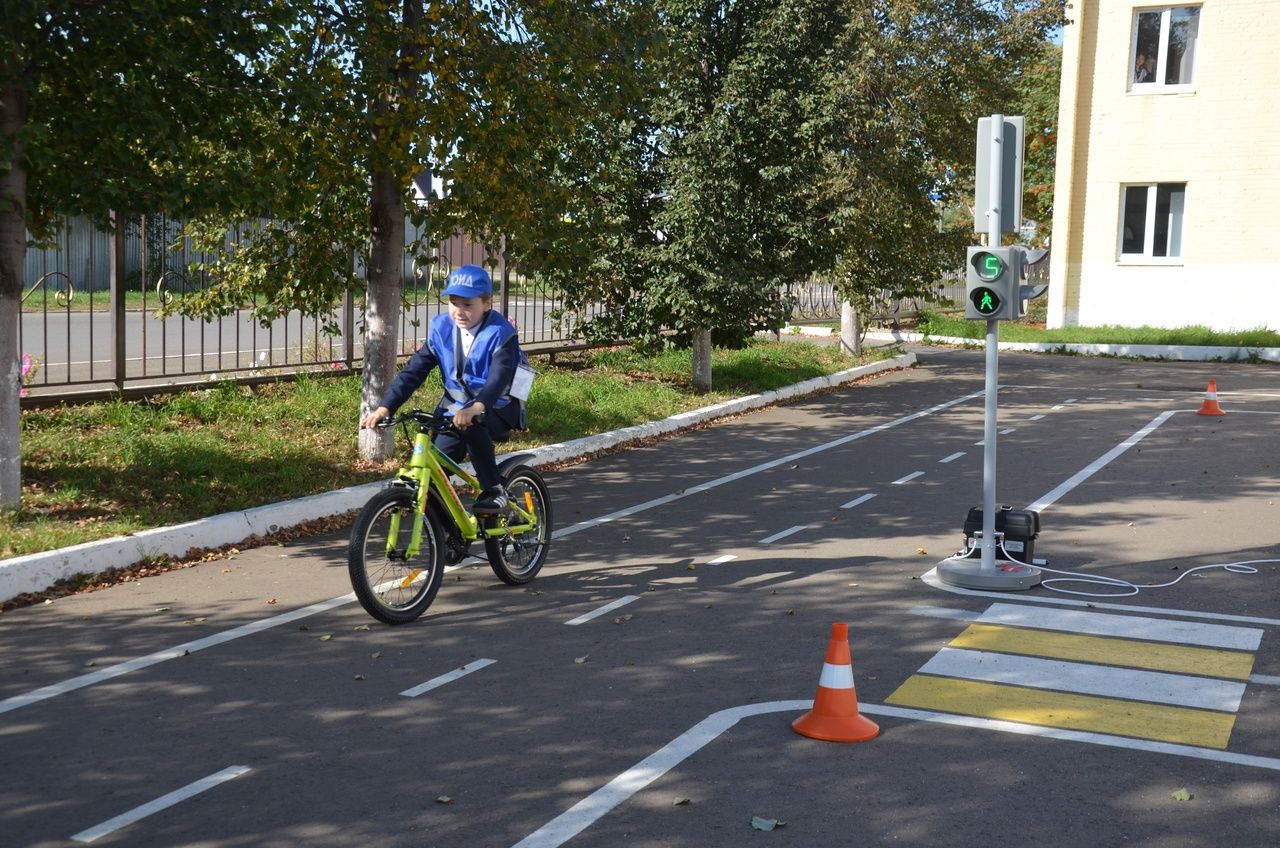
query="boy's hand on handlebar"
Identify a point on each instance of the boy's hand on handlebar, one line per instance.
(371, 420)
(465, 417)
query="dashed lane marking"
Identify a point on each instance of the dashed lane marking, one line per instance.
(437, 682)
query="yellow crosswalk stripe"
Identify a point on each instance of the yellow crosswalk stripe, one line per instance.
(1180, 659)
(1181, 725)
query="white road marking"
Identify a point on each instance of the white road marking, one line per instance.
(1125, 627)
(944, 612)
(72, 684)
(1265, 679)
(609, 607)
(1007, 430)
(592, 808)
(953, 457)
(930, 577)
(764, 466)
(1099, 463)
(768, 540)
(437, 682)
(861, 499)
(720, 559)
(1035, 417)
(913, 475)
(1156, 687)
(161, 803)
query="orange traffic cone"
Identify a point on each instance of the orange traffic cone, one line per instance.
(1210, 405)
(834, 717)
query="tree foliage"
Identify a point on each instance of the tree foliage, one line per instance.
(115, 107)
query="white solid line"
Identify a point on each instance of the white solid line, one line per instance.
(930, 578)
(860, 499)
(182, 650)
(720, 559)
(913, 475)
(595, 806)
(609, 607)
(161, 803)
(764, 466)
(437, 682)
(776, 536)
(53, 690)
(1265, 679)
(1170, 748)
(1125, 627)
(1156, 687)
(953, 457)
(591, 808)
(1099, 463)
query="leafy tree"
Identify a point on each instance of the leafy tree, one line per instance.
(1037, 87)
(114, 107)
(371, 93)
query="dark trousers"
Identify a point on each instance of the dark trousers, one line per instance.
(477, 442)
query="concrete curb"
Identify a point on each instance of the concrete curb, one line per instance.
(1180, 353)
(38, 572)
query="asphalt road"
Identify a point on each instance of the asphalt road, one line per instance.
(263, 708)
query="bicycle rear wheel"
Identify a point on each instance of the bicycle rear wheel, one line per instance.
(392, 586)
(518, 557)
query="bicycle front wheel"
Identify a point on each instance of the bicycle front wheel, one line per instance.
(392, 584)
(517, 556)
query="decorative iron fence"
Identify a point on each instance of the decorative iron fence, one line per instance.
(89, 322)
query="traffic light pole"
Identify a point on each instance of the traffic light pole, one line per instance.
(984, 572)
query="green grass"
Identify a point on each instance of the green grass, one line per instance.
(103, 469)
(938, 325)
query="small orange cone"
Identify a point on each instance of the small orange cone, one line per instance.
(834, 717)
(1210, 405)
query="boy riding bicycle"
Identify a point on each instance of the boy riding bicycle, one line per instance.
(477, 351)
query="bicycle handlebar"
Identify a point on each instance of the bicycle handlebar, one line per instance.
(426, 421)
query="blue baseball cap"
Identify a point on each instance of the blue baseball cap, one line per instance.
(468, 281)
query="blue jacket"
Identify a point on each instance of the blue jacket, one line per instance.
(484, 374)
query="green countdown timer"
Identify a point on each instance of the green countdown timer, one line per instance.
(988, 266)
(985, 300)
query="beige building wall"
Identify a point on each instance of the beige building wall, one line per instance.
(1221, 138)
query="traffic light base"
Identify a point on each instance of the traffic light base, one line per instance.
(1003, 576)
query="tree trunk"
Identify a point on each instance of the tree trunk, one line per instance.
(702, 359)
(850, 330)
(13, 251)
(382, 307)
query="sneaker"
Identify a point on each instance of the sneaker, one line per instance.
(492, 500)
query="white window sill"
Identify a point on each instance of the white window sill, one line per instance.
(1138, 259)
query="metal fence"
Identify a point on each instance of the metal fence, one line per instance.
(89, 326)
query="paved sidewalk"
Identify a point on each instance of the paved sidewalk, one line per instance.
(38, 572)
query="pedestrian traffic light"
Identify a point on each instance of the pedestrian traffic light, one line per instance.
(990, 291)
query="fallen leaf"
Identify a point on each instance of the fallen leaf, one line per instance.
(359, 677)
(162, 609)
(691, 567)
(791, 612)
(1130, 524)
(582, 659)
(375, 655)
(326, 637)
(90, 663)
(760, 823)
(922, 551)
(444, 799)
(47, 601)
(1182, 795)
(303, 627)
(680, 802)
(361, 627)
(272, 601)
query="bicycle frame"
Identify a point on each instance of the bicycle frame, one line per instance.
(429, 469)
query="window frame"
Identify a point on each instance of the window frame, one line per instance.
(1147, 256)
(1166, 18)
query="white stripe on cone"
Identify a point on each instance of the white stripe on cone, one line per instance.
(836, 676)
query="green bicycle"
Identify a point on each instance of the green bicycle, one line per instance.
(409, 532)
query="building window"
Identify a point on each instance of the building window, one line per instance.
(1164, 48)
(1151, 221)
